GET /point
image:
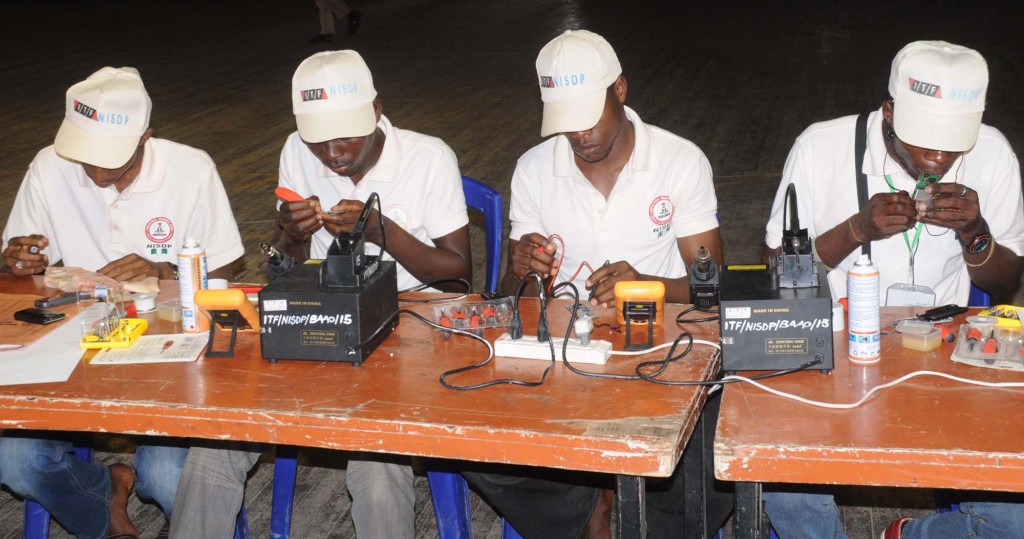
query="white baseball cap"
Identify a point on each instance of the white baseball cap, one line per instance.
(104, 117)
(938, 92)
(332, 97)
(575, 70)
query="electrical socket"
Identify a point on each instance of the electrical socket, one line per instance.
(529, 347)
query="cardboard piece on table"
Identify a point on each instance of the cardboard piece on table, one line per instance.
(15, 334)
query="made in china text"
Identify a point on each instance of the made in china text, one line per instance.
(742, 326)
(306, 319)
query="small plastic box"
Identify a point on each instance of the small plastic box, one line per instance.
(169, 310)
(923, 342)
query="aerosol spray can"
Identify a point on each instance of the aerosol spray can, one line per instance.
(862, 294)
(191, 277)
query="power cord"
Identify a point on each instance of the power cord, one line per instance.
(430, 284)
(692, 308)
(847, 406)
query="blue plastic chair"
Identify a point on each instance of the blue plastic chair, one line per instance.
(449, 490)
(487, 201)
(978, 297)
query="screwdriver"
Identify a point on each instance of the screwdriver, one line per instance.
(973, 336)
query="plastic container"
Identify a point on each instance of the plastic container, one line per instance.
(923, 341)
(169, 310)
(864, 330)
(191, 277)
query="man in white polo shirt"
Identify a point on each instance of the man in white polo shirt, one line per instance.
(969, 227)
(613, 189)
(108, 197)
(345, 149)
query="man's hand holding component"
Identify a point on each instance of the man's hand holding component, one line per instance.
(533, 252)
(601, 283)
(954, 206)
(24, 255)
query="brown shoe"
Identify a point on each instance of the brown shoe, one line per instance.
(122, 479)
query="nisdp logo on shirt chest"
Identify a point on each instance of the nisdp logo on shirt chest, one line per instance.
(661, 212)
(159, 231)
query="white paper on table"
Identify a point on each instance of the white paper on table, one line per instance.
(155, 349)
(50, 359)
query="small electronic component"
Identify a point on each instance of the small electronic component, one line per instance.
(920, 194)
(475, 316)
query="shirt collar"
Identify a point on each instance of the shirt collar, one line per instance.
(642, 158)
(388, 165)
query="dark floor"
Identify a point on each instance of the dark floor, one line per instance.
(740, 79)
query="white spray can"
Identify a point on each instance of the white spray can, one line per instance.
(191, 277)
(862, 294)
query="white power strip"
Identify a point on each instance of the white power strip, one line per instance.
(529, 347)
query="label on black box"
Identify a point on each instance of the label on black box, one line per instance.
(785, 346)
(318, 337)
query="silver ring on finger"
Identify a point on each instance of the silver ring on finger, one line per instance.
(964, 192)
(19, 265)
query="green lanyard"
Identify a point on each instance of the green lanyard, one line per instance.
(911, 247)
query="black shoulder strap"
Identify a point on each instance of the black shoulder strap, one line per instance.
(860, 148)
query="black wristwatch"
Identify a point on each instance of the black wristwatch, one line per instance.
(980, 242)
(174, 269)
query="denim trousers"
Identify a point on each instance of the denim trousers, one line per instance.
(795, 514)
(39, 466)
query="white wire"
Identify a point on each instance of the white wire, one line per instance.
(659, 347)
(874, 389)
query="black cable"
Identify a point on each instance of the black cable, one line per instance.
(430, 284)
(690, 309)
(568, 332)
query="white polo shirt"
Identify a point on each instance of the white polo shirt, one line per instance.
(178, 194)
(663, 193)
(417, 179)
(821, 166)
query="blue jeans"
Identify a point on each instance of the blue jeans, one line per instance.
(39, 466)
(799, 514)
(816, 515)
(76, 493)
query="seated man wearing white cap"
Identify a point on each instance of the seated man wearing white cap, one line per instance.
(345, 149)
(616, 189)
(108, 197)
(969, 227)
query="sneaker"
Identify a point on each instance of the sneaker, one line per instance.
(895, 528)
(353, 21)
(322, 38)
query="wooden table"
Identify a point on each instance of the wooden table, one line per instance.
(394, 403)
(926, 432)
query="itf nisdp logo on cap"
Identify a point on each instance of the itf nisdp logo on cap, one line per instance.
(159, 230)
(97, 116)
(925, 88)
(322, 94)
(561, 81)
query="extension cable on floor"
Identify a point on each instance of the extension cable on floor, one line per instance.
(529, 347)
